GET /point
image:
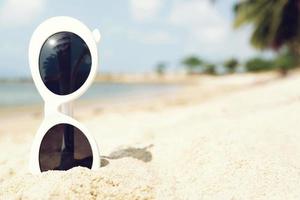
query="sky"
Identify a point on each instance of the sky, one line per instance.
(135, 34)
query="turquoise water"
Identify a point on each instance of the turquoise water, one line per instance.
(17, 94)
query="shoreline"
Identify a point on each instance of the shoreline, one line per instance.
(153, 78)
(197, 90)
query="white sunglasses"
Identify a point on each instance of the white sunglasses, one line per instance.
(63, 60)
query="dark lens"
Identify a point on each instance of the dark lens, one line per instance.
(63, 147)
(64, 63)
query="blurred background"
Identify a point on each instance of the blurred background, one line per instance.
(153, 42)
(193, 99)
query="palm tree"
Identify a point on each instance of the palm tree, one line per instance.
(210, 68)
(284, 62)
(275, 22)
(192, 64)
(161, 68)
(231, 64)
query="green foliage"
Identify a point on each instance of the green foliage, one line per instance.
(259, 64)
(192, 64)
(231, 64)
(210, 68)
(275, 26)
(285, 62)
(275, 23)
(161, 68)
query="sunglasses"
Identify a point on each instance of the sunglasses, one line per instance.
(63, 60)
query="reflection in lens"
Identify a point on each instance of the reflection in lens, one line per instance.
(64, 63)
(63, 147)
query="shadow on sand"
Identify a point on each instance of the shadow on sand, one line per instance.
(142, 154)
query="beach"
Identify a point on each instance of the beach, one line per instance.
(230, 137)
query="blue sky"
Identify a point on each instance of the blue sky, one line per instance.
(136, 34)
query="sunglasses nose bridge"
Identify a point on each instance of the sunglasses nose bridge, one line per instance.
(51, 108)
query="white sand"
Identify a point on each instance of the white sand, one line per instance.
(242, 144)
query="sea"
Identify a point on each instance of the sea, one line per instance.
(25, 93)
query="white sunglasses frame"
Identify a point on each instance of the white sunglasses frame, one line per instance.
(58, 108)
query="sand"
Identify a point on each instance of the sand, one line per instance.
(221, 138)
